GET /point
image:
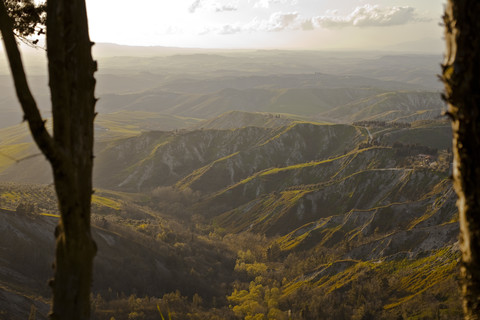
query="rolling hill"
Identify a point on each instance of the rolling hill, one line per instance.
(354, 203)
(266, 184)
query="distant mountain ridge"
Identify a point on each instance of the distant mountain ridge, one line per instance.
(350, 99)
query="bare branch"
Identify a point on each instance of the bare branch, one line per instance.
(31, 113)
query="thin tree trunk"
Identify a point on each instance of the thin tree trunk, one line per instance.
(70, 150)
(461, 75)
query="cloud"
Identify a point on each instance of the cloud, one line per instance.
(278, 21)
(194, 6)
(216, 6)
(369, 16)
(307, 24)
(229, 29)
(225, 7)
(363, 16)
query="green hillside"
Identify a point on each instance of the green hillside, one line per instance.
(248, 221)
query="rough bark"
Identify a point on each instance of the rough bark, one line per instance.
(461, 75)
(72, 84)
(70, 150)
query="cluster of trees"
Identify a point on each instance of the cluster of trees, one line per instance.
(281, 289)
(40, 197)
(174, 201)
(404, 150)
(171, 305)
(272, 286)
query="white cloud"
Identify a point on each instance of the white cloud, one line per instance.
(230, 29)
(194, 6)
(226, 29)
(369, 16)
(212, 5)
(307, 24)
(363, 16)
(225, 7)
(278, 21)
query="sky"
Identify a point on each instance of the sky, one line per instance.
(281, 24)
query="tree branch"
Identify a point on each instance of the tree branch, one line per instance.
(29, 106)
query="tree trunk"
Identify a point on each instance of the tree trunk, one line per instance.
(461, 75)
(72, 86)
(70, 150)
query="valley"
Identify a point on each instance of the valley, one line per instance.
(251, 185)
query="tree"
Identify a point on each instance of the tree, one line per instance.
(27, 18)
(70, 149)
(461, 76)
